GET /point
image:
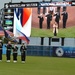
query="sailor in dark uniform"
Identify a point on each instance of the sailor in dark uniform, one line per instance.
(8, 51)
(1, 47)
(57, 15)
(65, 17)
(49, 19)
(41, 19)
(15, 52)
(23, 49)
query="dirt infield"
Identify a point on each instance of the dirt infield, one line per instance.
(70, 21)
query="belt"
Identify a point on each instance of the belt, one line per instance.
(8, 49)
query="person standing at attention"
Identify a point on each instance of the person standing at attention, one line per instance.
(65, 17)
(1, 47)
(23, 49)
(15, 52)
(49, 19)
(8, 51)
(41, 19)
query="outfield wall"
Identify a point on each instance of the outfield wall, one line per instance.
(48, 41)
(54, 51)
(46, 46)
(51, 51)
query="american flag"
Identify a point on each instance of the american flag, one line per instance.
(7, 35)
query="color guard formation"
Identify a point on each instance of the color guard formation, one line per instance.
(13, 49)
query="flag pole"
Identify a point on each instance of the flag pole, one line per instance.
(11, 1)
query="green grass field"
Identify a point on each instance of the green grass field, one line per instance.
(36, 65)
(68, 32)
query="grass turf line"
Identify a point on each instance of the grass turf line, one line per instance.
(36, 65)
(68, 32)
